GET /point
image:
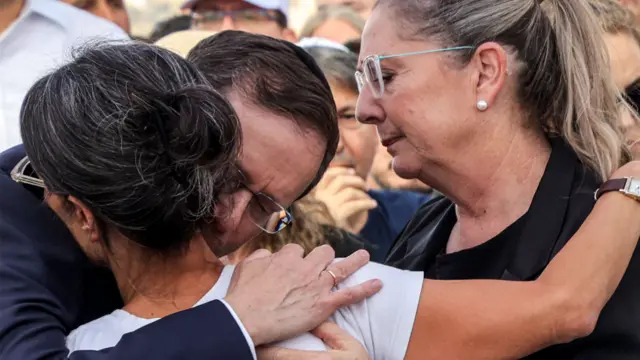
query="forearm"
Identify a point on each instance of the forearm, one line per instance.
(591, 265)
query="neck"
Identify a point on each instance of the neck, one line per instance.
(154, 287)
(494, 190)
(9, 12)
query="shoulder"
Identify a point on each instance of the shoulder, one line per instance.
(78, 25)
(104, 332)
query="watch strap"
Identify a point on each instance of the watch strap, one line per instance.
(611, 185)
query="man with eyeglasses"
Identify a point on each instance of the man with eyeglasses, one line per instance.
(264, 17)
(48, 286)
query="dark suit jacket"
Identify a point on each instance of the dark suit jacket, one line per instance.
(48, 288)
(562, 202)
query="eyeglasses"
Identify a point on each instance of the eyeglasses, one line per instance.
(209, 19)
(266, 213)
(23, 173)
(372, 71)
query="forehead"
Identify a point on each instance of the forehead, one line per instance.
(380, 35)
(624, 53)
(278, 157)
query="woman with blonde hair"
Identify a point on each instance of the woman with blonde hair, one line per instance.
(507, 108)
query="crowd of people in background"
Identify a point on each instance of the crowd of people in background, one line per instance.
(316, 143)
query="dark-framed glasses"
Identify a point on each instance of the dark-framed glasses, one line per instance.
(23, 173)
(372, 73)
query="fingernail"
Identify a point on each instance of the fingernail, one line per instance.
(376, 283)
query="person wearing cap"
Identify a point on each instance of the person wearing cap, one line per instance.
(265, 17)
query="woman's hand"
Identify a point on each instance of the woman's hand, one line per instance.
(279, 296)
(345, 195)
(343, 347)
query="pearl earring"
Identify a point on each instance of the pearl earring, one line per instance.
(482, 105)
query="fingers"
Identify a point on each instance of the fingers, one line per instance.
(320, 257)
(355, 207)
(291, 250)
(258, 254)
(344, 268)
(334, 337)
(352, 295)
(346, 181)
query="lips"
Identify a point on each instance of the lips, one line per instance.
(390, 141)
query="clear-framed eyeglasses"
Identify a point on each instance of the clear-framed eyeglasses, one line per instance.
(23, 173)
(372, 75)
(267, 214)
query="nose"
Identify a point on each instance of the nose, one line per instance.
(228, 24)
(368, 109)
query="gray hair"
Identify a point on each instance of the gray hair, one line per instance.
(338, 65)
(139, 136)
(326, 13)
(563, 74)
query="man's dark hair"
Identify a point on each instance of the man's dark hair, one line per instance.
(276, 75)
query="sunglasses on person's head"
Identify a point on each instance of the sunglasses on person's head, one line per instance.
(202, 18)
(23, 173)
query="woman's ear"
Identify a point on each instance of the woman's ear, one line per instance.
(82, 217)
(491, 62)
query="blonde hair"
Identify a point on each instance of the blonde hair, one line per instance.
(615, 18)
(564, 77)
(326, 13)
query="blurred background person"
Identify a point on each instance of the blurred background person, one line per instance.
(362, 7)
(263, 17)
(378, 216)
(170, 26)
(35, 37)
(112, 10)
(337, 23)
(383, 177)
(633, 6)
(622, 38)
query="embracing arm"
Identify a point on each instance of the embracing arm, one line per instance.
(490, 319)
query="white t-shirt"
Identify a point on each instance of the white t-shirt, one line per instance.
(382, 323)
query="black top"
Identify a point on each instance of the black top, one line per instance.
(562, 201)
(345, 243)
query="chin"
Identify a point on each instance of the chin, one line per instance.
(405, 168)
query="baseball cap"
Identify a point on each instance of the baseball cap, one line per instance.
(282, 5)
(181, 42)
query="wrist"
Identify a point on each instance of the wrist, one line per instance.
(248, 322)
